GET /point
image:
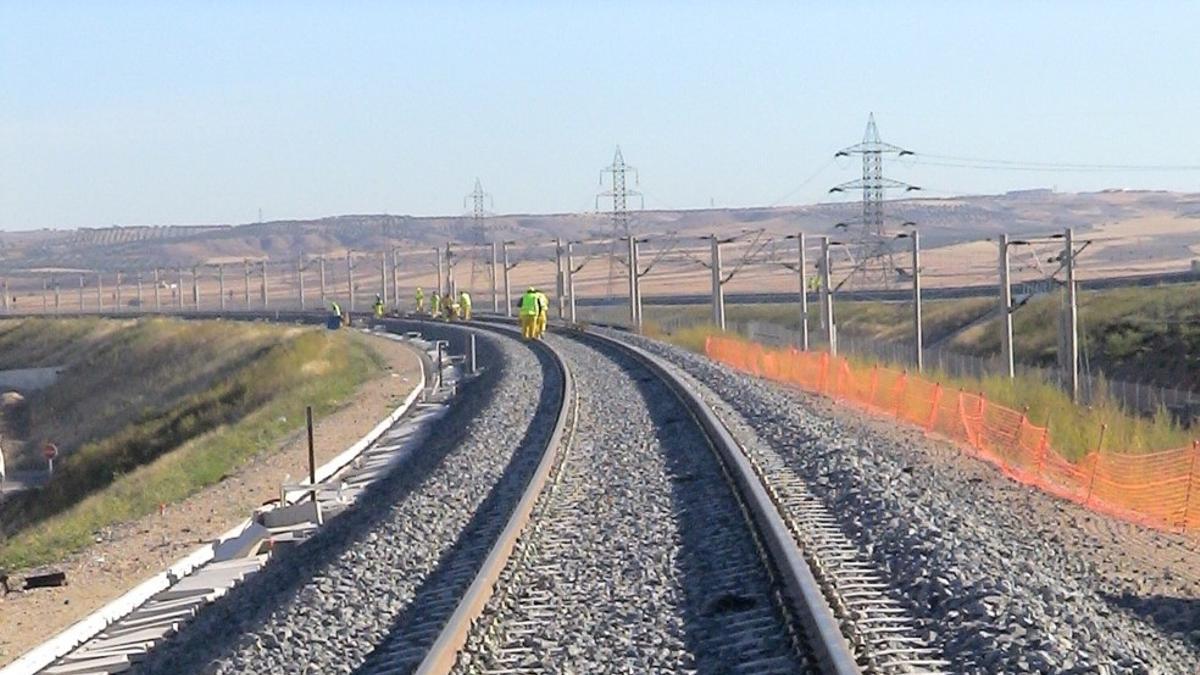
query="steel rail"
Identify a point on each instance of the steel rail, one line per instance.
(443, 655)
(821, 627)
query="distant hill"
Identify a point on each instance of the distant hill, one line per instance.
(1169, 222)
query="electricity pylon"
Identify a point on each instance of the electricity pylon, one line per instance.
(872, 244)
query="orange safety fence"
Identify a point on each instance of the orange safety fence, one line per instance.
(1154, 489)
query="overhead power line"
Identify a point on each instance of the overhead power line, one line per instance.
(1020, 165)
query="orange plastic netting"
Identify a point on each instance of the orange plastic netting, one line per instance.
(1154, 489)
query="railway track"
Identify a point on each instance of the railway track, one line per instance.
(642, 557)
(637, 554)
(549, 602)
(589, 514)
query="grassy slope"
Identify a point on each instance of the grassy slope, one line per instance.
(1143, 334)
(1074, 430)
(168, 452)
(887, 321)
(119, 371)
(1148, 334)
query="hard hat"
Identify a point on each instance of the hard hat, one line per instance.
(532, 289)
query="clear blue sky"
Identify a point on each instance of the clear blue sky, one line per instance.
(204, 112)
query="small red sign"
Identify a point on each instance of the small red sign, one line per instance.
(50, 451)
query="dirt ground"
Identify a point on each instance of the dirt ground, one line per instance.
(130, 553)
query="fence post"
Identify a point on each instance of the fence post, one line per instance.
(1043, 447)
(1095, 465)
(1021, 424)
(962, 419)
(824, 372)
(937, 399)
(1187, 500)
(901, 386)
(312, 458)
(979, 429)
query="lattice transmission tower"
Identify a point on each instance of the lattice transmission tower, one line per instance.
(872, 245)
(479, 202)
(620, 193)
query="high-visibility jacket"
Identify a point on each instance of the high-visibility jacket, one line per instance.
(335, 308)
(530, 304)
(543, 303)
(464, 299)
(420, 294)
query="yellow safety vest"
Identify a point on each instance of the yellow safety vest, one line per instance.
(529, 304)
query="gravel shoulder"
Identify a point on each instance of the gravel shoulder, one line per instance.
(1008, 579)
(126, 555)
(1153, 574)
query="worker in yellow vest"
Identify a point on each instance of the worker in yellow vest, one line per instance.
(420, 300)
(528, 314)
(543, 313)
(464, 305)
(435, 306)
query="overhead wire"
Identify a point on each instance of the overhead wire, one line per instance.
(804, 183)
(952, 161)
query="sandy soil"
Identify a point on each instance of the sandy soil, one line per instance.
(128, 554)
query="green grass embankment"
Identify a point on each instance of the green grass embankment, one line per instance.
(1145, 334)
(168, 453)
(117, 372)
(1074, 430)
(885, 321)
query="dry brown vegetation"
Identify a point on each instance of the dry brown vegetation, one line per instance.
(118, 371)
(173, 407)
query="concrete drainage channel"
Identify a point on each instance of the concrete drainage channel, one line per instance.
(123, 632)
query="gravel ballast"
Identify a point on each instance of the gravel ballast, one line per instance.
(1004, 579)
(639, 558)
(323, 607)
